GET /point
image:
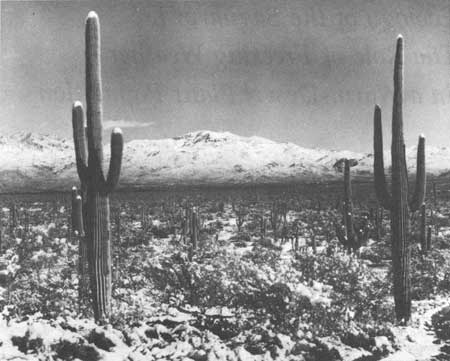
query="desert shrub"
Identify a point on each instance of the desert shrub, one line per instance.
(28, 343)
(261, 255)
(208, 231)
(441, 323)
(161, 232)
(376, 252)
(440, 242)
(223, 282)
(430, 273)
(215, 207)
(241, 237)
(41, 274)
(319, 293)
(358, 294)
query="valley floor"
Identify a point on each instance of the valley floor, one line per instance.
(250, 291)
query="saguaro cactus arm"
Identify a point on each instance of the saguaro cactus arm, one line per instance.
(419, 190)
(77, 213)
(79, 136)
(348, 206)
(115, 162)
(381, 188)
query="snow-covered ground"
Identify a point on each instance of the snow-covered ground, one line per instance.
(418, 342)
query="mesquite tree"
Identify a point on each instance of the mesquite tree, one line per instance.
(89, 158)
(396, 201)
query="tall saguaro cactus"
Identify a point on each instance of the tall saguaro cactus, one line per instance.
(396, 201)
(89, 157)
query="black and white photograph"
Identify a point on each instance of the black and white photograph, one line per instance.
(224, 180)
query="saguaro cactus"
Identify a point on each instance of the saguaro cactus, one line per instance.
(353, 236)
(195, 228)
(12, 217)
(26, 221)
(348, 207)
(186, 223)
(89, 157)
(240, 218)
(397, 200)
(194, 231)
(275, 219)
(378, 223)
(262, 225)
(429, 238)
(144, 223)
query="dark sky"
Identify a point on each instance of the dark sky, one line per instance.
(304, 71)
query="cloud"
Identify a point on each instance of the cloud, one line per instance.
(108, 124)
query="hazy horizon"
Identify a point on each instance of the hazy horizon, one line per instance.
(304, 72)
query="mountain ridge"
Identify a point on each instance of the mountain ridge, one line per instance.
(38, 162)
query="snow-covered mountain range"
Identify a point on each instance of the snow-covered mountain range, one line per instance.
(34, 162)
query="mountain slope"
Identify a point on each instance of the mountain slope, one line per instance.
(33, 162)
